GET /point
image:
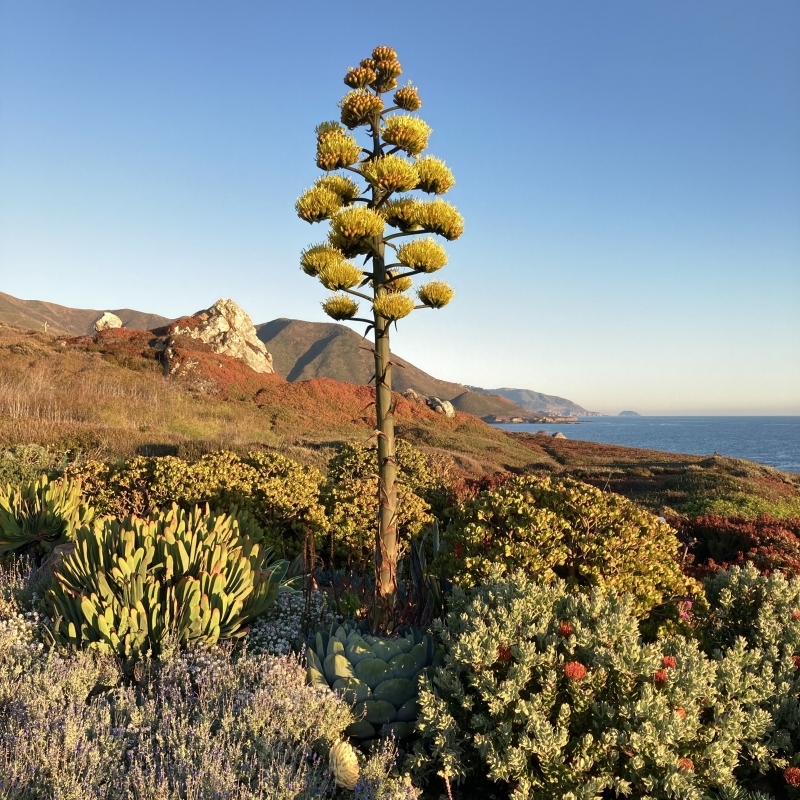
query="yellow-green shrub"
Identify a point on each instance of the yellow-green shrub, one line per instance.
(281, 495)
(564, 528)
(351, 499)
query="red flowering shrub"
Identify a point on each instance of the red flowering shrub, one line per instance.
(660, 678)
(686, 764)
(669, 662)
(504, 652)
(717, 542)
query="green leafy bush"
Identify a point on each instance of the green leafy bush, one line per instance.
(42, 512)
(281, 495)
(140, 585)
(25, 463)
(554, 694)
(550, 527)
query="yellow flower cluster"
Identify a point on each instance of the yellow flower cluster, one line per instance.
(407, 98)
(343, 275)
(359, 107)
(424, 254)
(319, 257)
(355, 224)
(317, 203)
(360, 77)
(435, 294)
(335, 148)
(440, 217)
(390, 174)
(340, 307)
(434, 176)
(346, 189)
(393, 306)
(406, 132)
(401, 213)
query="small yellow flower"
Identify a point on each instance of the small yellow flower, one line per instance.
(343, 275)
(407, 132)
(440, 217)
(435, 294)
(319, 257)
(393, 306)
(340, 307)
(357, 223)
(425, 254)
(346, 189)
(317, 203)
(390, 174)
(359, 107)
(434, 176)
(401, 213)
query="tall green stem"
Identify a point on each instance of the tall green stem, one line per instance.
(386, 540)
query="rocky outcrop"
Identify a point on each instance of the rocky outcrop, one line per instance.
(107, 321)
(228, 331)
(434, 403)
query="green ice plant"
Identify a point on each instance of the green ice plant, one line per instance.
(138, 585)
(42, 512)
(362, 208)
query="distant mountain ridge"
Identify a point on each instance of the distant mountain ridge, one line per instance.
(304, 351)
(538, 403)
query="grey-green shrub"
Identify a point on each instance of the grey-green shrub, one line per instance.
(555, 694)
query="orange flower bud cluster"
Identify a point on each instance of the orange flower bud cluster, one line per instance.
(407, 98)
(795, 614)
(792, 776)
(565, 630)
(681, 712)
(686, 764)
(360, 77)
(660, 678)
(575, 671)
(384, 53)
(669, 662)
(504, 653)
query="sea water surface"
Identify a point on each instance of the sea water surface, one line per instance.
(774, 441)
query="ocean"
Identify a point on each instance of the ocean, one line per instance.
(774, 441)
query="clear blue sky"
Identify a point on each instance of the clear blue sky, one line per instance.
(629, 173)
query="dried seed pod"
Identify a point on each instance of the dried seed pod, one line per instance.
(390, 174)
(340, 307)
(317, 204)
(434, 176)
(435, 294)
(423, 254)
(407, 132)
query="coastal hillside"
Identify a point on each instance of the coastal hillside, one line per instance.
(305, 350)
(37, 315)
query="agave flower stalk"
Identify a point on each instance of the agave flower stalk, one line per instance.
(389, 166)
